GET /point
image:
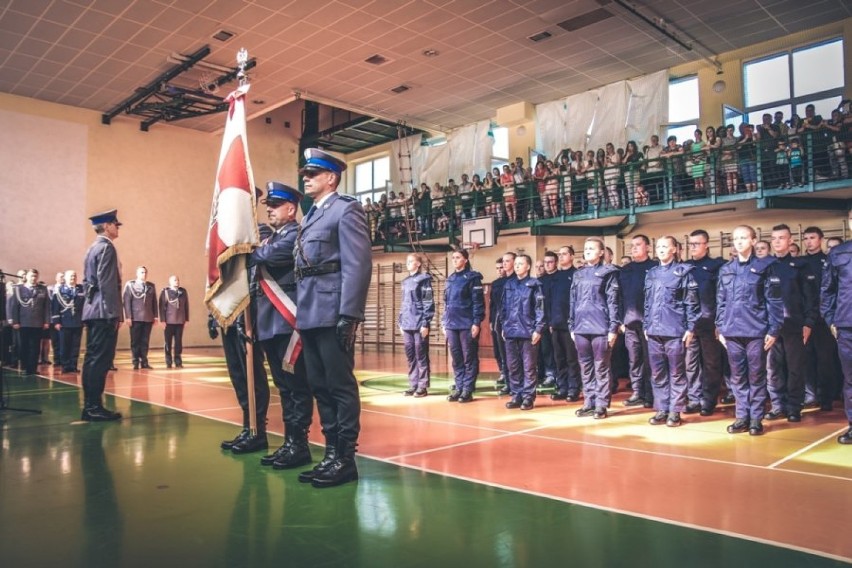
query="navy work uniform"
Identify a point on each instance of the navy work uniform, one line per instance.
(102, 314)
(748, 308)
(30, 312)
(632, 279)
(557, 302)
(333, 272)
(464, 307)
(174, 313)
(546, 370)
(786, 363)
(595, 312)
(521, 315)
(671, 309)
(140, 308)
(416, 313)
(497, 341)
(704, 354)
(67, 313)
(820, 351)
(836, 308)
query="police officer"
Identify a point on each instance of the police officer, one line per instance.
(415, 318)
(333, 270)
(595, 318)
(557, 301)
(59, 280)
(497, 343)
(464, 309)
(836, 308)
(546, 372)
(671, 310)
(704, 353)
(174, 315)
(786, 363)
(67, 316)
(140, 307)
(632, 279)
(273, 264)
(749, 316)
(30, 316)
(101, 313)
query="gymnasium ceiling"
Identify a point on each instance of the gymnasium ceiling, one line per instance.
(94, 54)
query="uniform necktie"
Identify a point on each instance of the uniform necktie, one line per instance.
(310, 212)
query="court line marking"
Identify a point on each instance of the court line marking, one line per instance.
(810, 446)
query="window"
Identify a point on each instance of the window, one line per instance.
(683, 107)
(372, 178)
(500, 152)
(789, 81)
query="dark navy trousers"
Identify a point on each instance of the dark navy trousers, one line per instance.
(464, 351)
(637, 353)
(820, 372)
(748, 376)
(499, 346)
(594, 353)
(546, 363)
(521, 357)
(235, 359)
(785, 368)
(69, 347)
(101, 336)
(844, 348)
(704, 367)
(565, 359)
(417, 353)
(667, 358)
(297, 402)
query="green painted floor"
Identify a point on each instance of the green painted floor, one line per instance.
(155, 491)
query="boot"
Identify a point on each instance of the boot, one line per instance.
(95, 412)
(327, 460)
(228, 444)
(251, 443)
(298, 453)
(340, 471)
(271, 458)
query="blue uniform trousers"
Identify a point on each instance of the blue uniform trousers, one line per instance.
(297, 402)
(565, 358)
(140, 337)
(844, 349)
(101, 336)
(464, 351)
(594, 354)
(704, 368)
(820, 372)
(417, 353)
(521, 357)
(785, 368)
(69, 347)
(748, 376)
(667, 358)
(637, 353)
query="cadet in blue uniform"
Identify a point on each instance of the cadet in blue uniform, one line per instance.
(557, 301)
(836, 308)
(494, 295)
(671, 310)
(464, 310)
(140, 308)
(415, 317)
(522, 320)
(704, 354)
(67, 315)
(333, 272)
(30, 316)
(275, 296)
(174, 315)
(101, 314)
(595, 319)
(546, 365)
(632, 279)
(786, 363)
(749, 316)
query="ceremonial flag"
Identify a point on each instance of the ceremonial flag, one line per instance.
(233, 219)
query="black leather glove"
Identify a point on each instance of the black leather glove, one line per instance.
(346, 328)
(212, 330)
(240, 326)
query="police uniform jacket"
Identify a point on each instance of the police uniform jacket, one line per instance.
(557, 297)
(671, 300)
(275, 256)
(522, 308)
(418, 305)
(102, 281)
(799, 290)
(494, 298)
(30, 307)
(836, 300)
(174, 305)
(336, 232)
(748, 299)
(596, 300)
(632, 280)
(67, 306)
(140, 301)
(464, 303)
(706, 275)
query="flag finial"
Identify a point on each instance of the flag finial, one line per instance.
(242, 60)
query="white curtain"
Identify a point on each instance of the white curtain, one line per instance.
(648, 107)
(551, 127)
(407, 153)
(470, 149)
(581, 111)
(435, 165)
(610, 116)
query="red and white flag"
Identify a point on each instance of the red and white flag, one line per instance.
(233, 219)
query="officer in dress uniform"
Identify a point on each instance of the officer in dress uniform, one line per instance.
(30, 316)
(333, 272)
(632, 279)
(557, 301)
(67, 316)
(54, 331)
(415, 317)
(464, 310)
(836, 308)
(671, 310)
(140, 307)
(275, 295)
(596, 314)
(749, 317)
(101, 313)
(522, 319)
(174, 315)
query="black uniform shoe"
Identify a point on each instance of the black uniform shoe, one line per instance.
(145, 365)
(648, 404)
(453, 396)
(527, 404)
(707, 411)
(674, 420)
(135, 367)
(228, 444)
(558, 396)
(794, 417)
(329, 458)
(504, 390)
(826, 406)
(168, 365)
(114, 368)
(250, 444)
(572, 398)
(514, 403)
(600, 413)
(739, 426)
(340, 471)
(633, 401)
(755, 428)
(692, 408)
(548, 382)
(846, 438)
(179, 364)
(296, 455)
(811, 404)
(659, 418)
(728, 399)
(466, 396)
(99, 414)
(409, 392)
(270, 459)
(584, 411)
(774, 414)
(420, 393)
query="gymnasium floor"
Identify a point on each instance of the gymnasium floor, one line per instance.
(442, 484)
